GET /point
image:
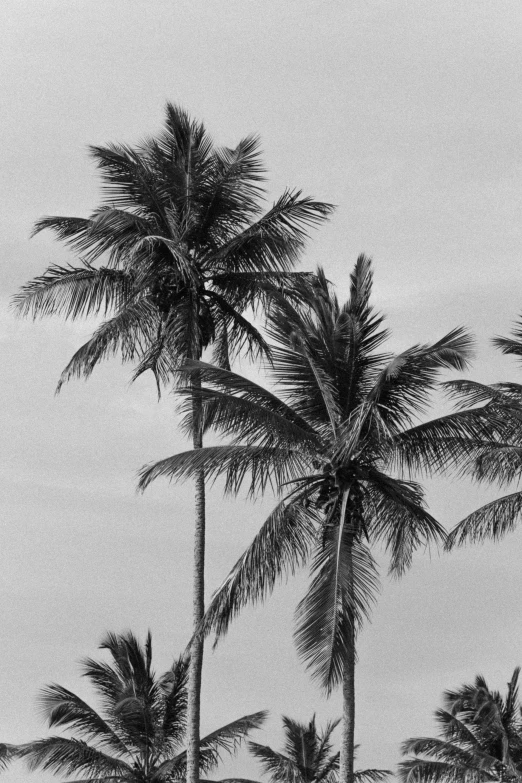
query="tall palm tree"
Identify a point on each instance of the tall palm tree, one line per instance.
(186, 250)
(328, 445)
(308, 756)
(137, 736)
(480, 739)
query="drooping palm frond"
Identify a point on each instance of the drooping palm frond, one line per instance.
(399, 518)
(489, 522)
(263, 466)
(68, 756)
(227, 739)
(342, 591)
(282, 545)
(73, 292)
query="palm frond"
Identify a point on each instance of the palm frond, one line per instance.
(403, 386)
(266, 467)
(422, 771)
(275, 241)
(227, 739)
(490, 522)
(73, 292)
(398, 517)
(64, 756)
(64, 708)
(340, 596)
(282, 546)
(371, 775)
(279, 767)
(128, 332)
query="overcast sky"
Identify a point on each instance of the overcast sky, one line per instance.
(404, 113)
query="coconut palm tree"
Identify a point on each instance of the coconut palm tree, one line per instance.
(328, 445)
(177, 253)
(480, 739)
(137, 735)
(307, 757)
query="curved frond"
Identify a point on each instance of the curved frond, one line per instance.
(282, 546)
(61, 755)
(127, 332)
(402, 388)
(371, 775)
(280, 768)
(227, 739)
(490, 522)
(64, 708)
(267, 467)
(73, 292)
(398, 517)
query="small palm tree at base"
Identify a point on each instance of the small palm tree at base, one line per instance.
(138, 735)
(308, 756)
(480, 739)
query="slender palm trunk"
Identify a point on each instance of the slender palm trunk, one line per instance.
(198, 607)
(348, 721)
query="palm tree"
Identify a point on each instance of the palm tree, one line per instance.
(186, 252)
(137, 736)
(307, 757)
(480, 739)
(328, 444)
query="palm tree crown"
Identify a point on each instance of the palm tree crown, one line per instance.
(187, 250)
(307, 757)
(480, 738)
(137, 736)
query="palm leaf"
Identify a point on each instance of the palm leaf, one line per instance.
(64, 756)
(490, 522)
(342, 591)
(282, 546)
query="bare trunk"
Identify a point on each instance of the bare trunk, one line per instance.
(198, 609)
(348, 722)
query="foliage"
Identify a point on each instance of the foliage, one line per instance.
(137, 736)
(480, 738)
(307, 757)
(186, 250)
(328, 445)
(498, 461)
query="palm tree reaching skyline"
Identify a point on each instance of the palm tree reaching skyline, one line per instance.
(187, 251)
(329, 445)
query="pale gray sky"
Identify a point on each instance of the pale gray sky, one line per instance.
(406, 114)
